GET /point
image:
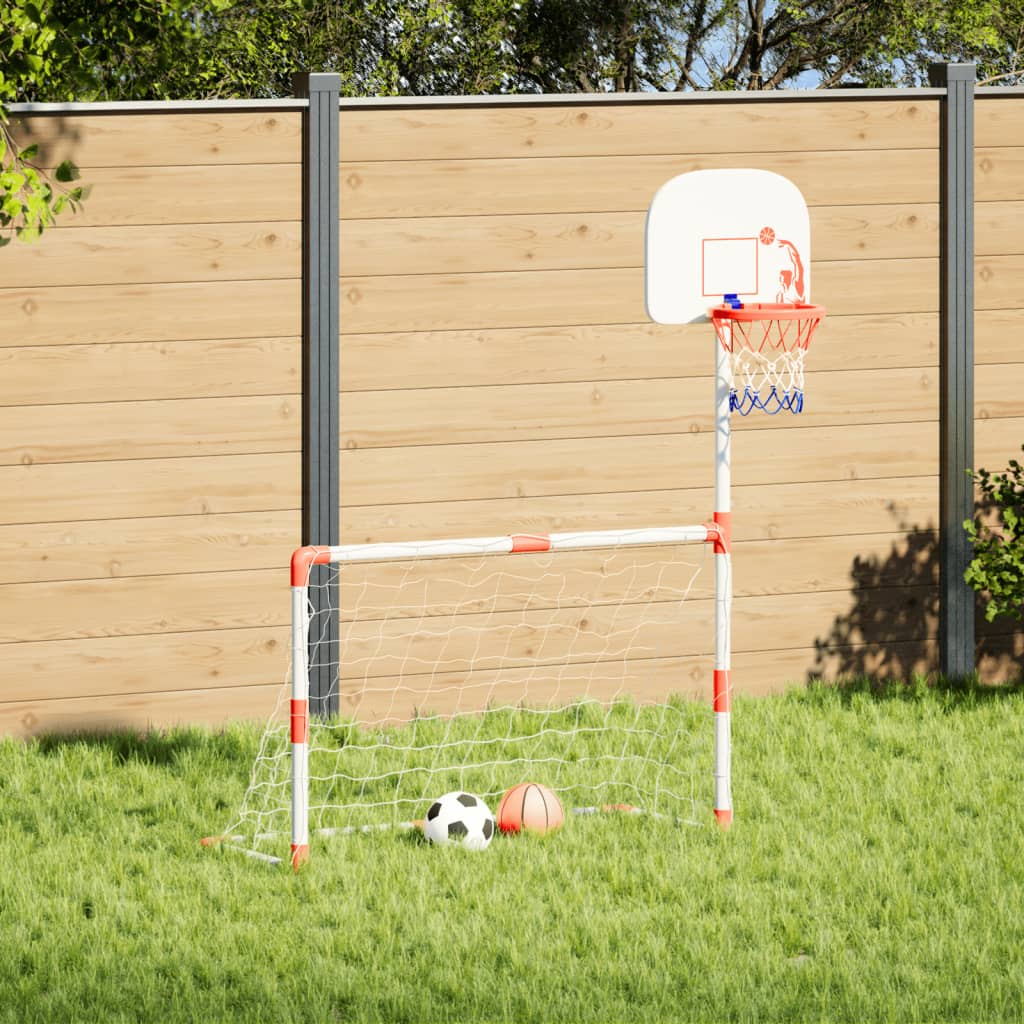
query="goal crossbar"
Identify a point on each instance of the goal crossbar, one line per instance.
(306, 557)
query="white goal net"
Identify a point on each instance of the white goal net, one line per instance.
(478, 664)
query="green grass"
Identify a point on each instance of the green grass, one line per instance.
(875, 873)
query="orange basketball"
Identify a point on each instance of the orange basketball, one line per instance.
(767, 236)
(530, 806)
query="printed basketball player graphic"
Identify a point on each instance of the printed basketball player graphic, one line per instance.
(738, 232)
(792, 280)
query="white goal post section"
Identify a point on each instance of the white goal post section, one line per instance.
(715, 533)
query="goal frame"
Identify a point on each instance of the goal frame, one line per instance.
(304, 558)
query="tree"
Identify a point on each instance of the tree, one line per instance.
(29, 199)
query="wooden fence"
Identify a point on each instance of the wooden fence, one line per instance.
(499, 373)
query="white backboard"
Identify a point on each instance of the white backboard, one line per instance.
(733, 231)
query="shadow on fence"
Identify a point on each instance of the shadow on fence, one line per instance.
(891, 629)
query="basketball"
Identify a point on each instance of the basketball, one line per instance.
(530, 806)
(767, 236)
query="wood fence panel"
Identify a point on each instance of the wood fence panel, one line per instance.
(999, 358)
(499, 373)
(149, 377)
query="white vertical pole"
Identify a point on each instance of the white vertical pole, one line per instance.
(723, 588)
(300, 726)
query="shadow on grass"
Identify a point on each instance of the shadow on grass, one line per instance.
(157, 747)
(950, 693)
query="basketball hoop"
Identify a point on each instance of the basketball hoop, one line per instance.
(766, 342)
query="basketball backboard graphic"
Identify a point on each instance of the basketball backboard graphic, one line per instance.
(739, 232)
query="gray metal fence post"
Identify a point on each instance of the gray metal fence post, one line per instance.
(320, 367)
(956, 366)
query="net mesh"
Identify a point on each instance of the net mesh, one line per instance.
(767, 360)
(575, 669)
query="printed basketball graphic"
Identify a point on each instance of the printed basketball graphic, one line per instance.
(767, 236)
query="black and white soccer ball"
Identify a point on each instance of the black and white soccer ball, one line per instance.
(460, 818)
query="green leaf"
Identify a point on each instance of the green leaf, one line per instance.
(67, 171)
(29, 152)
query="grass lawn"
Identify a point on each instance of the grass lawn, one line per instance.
(875, 872)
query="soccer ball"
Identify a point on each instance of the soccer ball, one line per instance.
(460, 818)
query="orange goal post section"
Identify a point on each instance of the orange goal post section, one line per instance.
(480, 663)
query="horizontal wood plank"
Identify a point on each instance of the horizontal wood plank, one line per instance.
(439, 302)
(999, 390)
(202, 485)
(996, 441)
(996, 335)
(547, 131)
(143, 547)
(150, 312)
(999, 282)
(577, 241)
(158, 253)
(998, 120)
(560, 185)
(52, 374)
(151, 605)
(997, 228)
(129, 666)
(154, 138)
(214, 707)
(770, 511)
(461, 415)
(490, 356)
(594, 465)
(105, 431)
(998, 174)
(176, 195)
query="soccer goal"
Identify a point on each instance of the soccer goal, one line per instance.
(563, 659)
(480, 663)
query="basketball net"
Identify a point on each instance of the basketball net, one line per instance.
(766, 343)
